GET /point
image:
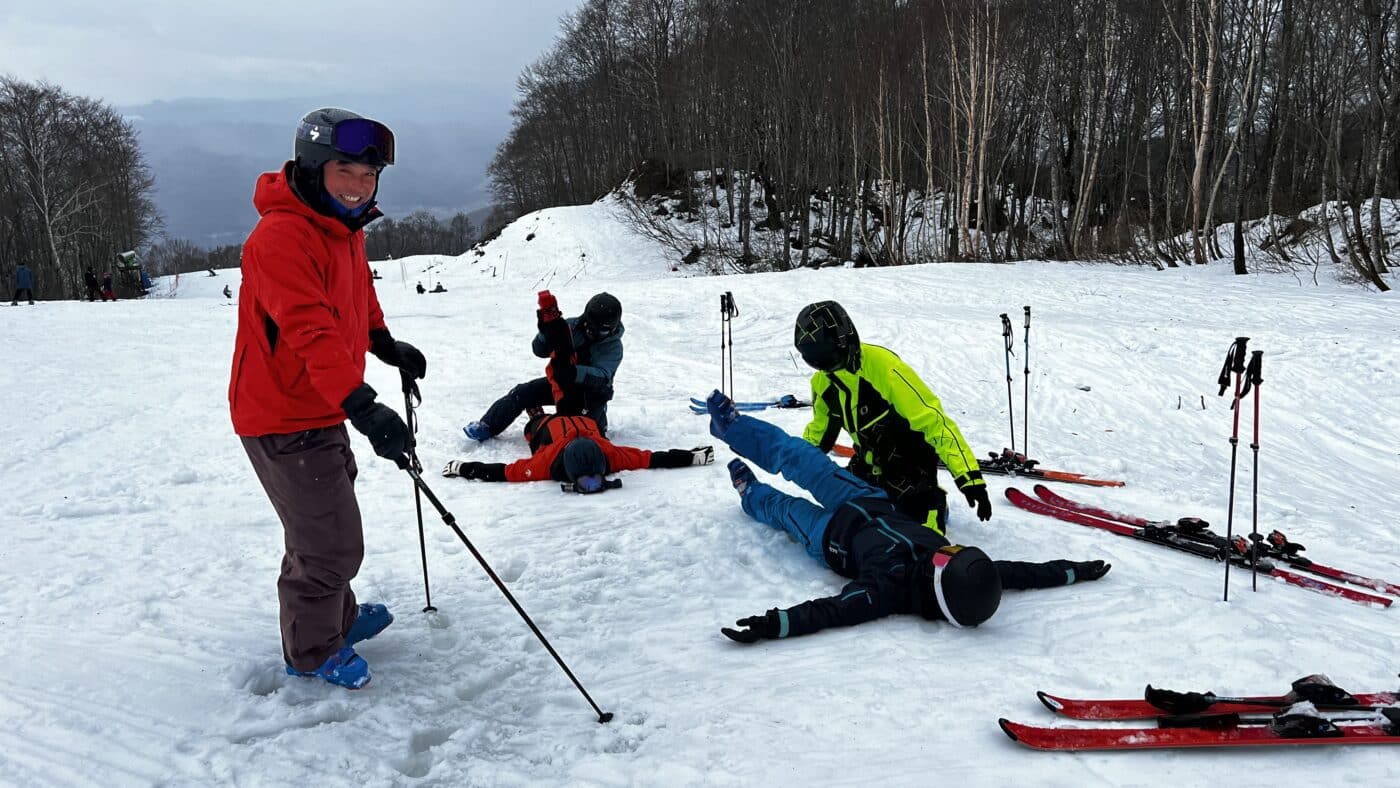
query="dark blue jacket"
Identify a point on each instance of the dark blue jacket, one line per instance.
(598, 360)
(24, 278)
(887, 556)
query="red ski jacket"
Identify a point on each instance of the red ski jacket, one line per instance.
(559, 430)
(305, 310)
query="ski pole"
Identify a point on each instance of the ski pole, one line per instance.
(603, 716)
(1026, 394)
(411, 399)
(1010, 413)
(1234, 362)
(727, 310)
(1253, 377)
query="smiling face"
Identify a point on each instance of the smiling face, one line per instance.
(349, 183)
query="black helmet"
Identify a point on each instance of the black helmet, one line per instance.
(826, 337)
(330, 133)
(584, 457)
(603, 314)
(961, 585)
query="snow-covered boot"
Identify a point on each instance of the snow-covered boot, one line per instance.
(741, 476)
(372, 619)
(477, 431)
(722, 413)
(344, 668)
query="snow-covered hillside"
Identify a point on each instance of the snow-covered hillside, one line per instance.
(139, 554)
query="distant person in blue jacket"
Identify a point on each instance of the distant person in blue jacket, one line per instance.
(24, 283)
(597, 335)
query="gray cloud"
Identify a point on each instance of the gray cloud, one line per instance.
(133, 51)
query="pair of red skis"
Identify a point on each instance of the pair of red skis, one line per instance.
(1203, 720)
(1191, 535)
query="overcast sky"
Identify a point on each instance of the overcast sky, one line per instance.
(135, 51)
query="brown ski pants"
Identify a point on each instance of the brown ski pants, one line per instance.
(310, 478)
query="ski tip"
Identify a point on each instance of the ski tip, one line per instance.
(1011, 492)
(1009, 728)
(1051, 702)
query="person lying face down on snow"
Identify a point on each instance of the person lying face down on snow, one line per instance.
(895, 563)
(567, 446)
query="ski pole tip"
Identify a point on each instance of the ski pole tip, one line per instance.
(605, 717)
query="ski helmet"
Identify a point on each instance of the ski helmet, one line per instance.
(826, 337)
(962, 586)
(584, 457)
(331, 133)
(603, 313)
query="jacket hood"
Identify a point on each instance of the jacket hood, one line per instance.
(274, 193)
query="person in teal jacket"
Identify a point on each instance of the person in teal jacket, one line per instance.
(898, 428)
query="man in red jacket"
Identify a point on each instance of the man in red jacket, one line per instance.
(307, 314)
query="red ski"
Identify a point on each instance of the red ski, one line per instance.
(1140, 709)
(1199, 542)
(842, 450)
(1263, 734)
(1276, 547)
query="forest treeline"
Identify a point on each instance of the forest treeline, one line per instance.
(1146, 122)
(76, 191)
(74, 187)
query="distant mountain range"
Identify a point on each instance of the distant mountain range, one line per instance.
(206, 154)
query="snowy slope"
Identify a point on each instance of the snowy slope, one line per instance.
(140, 555)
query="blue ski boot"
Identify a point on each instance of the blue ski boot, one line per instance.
(372, 619)
(344, 668)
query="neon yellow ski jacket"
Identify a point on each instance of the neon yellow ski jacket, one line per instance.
(896, 424)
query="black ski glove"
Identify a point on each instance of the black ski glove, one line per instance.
(397, 354)
(682, 458)
(977, 496)
(386, 431)
(1084, 571)
(482, 471)
(754, 628)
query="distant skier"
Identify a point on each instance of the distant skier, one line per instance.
(307, 314)
(108, 293)
(894, 563)
(374, 274)
(421, 289)
(24, 284)
(597, 336)
(897, 425)
(438, 288)
(567, 446)
(94, 288)
(227, 292)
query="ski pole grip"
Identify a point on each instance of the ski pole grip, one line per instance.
(1238, 350)
(1028, 318)
(1234, 362)
(1255, 373)
(1006, 329)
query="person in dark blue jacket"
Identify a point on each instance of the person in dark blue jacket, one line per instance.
(597, 335)
(895, 564)
(24, 284)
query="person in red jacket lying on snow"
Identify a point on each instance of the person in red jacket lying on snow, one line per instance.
(567, 446)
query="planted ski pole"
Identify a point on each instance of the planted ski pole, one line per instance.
(1234, 362)
(1026, 394)
(603, 716)
(412, 398)
(1253, 377)
(1010, 412)
(727, 311)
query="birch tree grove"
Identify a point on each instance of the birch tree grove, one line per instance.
(74, 187)
(1088, 128)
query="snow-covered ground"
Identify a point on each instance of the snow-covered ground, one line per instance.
(139, 555)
